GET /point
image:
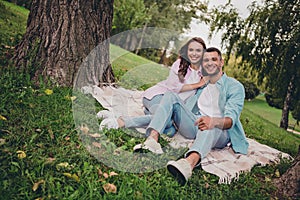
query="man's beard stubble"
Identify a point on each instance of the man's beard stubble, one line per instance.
(205, 73)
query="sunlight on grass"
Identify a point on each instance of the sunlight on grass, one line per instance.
(273, 115)
(135, 72)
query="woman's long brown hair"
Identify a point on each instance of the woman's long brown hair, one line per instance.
(184, 60)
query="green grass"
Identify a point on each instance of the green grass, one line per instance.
(13, 25)
(58, 165)
(260, 107)
(135, 72)
(42, 125)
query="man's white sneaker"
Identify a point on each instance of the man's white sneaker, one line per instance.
(109, 123)
(181, 170)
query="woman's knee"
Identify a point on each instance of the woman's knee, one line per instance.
(171, 96)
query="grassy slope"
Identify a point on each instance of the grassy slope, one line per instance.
(12, 22)
(133, 71)
(42, 126)
(260, 106)
(13, 25)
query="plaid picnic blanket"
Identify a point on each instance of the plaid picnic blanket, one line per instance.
(224, 163)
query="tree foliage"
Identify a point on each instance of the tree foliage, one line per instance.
(129, 14)
(269, 41)
(251, 90)
(173, 15)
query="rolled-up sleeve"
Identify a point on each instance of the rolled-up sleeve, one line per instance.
(235, 101)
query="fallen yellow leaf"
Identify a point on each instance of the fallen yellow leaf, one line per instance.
(63, 164)
(2, 118)
(267, 179)
(110, 188)
(48, 91)
(72, 98)
(75, 177)
(37, 184)
(72, 176)
(21, 154)
(2, 141)
(277, 173)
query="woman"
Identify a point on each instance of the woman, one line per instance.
(184, 78)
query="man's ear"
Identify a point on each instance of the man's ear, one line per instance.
(222, 62)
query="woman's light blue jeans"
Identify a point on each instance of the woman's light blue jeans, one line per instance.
(173, 108)
(143, 121)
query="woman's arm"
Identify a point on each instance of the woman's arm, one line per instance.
(188, 87)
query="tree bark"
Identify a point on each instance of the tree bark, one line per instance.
(288, 185)
(284, 122)
(60, 35)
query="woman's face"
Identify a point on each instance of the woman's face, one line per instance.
(195, 52)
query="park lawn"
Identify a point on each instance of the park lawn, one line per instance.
(261, 107)
(135, 72)
(43, 157)
(38, 123)
(12, 22)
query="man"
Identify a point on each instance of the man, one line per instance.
(211, 117)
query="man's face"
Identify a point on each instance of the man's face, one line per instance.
(212, 64)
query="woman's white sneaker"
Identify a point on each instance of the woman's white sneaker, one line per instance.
(109, 123)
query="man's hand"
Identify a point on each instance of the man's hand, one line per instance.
(205, 123)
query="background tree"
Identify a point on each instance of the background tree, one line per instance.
(60, 34)
(175, 15)
(269, 41)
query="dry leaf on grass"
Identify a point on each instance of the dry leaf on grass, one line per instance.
(97, 144)
(21, 154)
(110, 188)
(105, 175)
(2, 141)
(95, 135)
(113, 174)
(50, 160)
(37, 184)
(3, 118)
(72, 176)
(84, 129)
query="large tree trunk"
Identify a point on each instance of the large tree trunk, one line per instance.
(288, 185)
(284, 122)
(60, 35)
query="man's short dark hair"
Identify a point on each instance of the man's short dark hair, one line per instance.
(214, 49)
